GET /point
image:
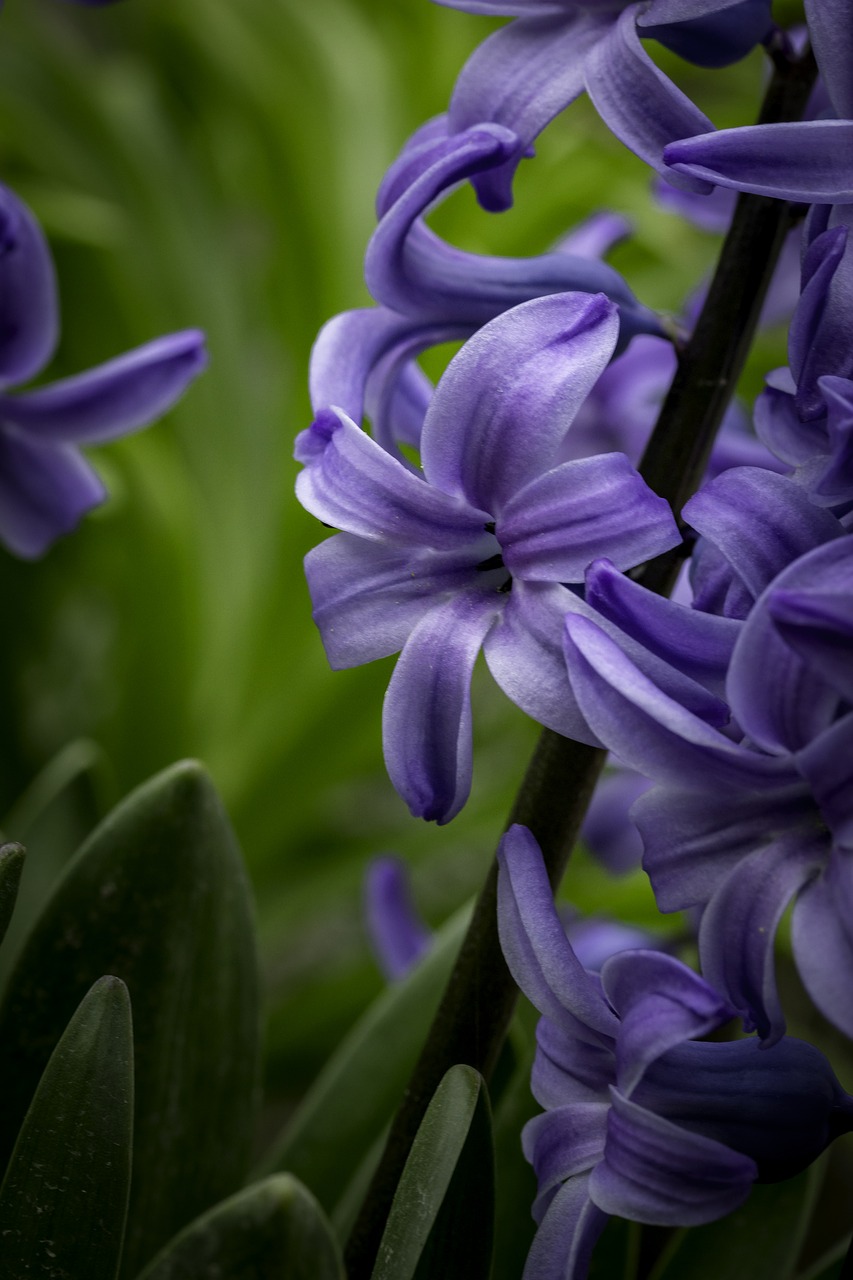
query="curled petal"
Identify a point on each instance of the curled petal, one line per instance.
(712, 34)
(563, 1245)
(351, 483)
(808, 161)
(562, 1143)
(115, 398)
(820, 335)
(551, 528)
(45, 490)
(655, 1172)
(572, 1063)
(508, 398)
(637, 101)
(739, 926)
(398, 934)
(823, 939)
(29, 316)
(521, 77)
(426, 717)
(779, 425)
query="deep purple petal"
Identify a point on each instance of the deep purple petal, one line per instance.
(29, 315)
(551, 528)
(818, 625)
(521, 77)
(808, 161)
(827, 765)
(508, 398)
(779, 425)
(351, 483)
(45, 490)
(534, 942)
(572, 1063)
(564, 1142)
(661, 1003)
(113, 399)
(426, 716)
(655, 1172)
(836, 479)
(607, 828)
(648, 729)
(637, 101)
(738, 930)
(715, 35)
(563, 1245)
(397, 933)
(368, 597)
(822, 935)
(831, 33)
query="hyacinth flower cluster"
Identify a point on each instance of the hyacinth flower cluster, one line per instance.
(727, 708)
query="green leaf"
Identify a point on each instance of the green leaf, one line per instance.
(11, 865)
(157, 896)
(759, 1241)
(360, 1087)
(63, 1201)
(273, 1230)
(442, 1216)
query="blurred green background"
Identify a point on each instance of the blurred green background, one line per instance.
(213, 163)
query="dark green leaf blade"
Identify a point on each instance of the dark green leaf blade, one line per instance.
(442, 1218)
(273, 1230)
(157, 896)
(63, 1202)
(361, 1085)
(11, 865)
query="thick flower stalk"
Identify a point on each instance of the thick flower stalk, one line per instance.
(474, 553)
(46, 484)
(643, 1119)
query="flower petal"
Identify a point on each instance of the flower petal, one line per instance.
(45, 490)
(398, 934)
(29, 315)
(818, 625)
(564, 1142)
(426, 716)
(827, 765)
(607, 829)
(508, 398)
(831, 34)
(655, 1172)
(823, 939)
(808, 161)
(113, 399)
(551, 528)
(563, 1245)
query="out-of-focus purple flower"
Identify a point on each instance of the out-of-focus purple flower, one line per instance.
(475, 551)
(397, 933)
(46, 484)
(748, 818)
(809, 161)
(432, 293)
(642, 1120)
(607, 828)
(526, 73)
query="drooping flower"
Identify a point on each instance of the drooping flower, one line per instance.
(46, 484)
(474, 552)
(642, 1120)
(748, 818)
(526, 73)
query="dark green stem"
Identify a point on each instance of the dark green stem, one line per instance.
(477, 1006)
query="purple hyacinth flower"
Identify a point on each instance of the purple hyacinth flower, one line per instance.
(810, 161)
(397, 933)
(746, 820)
(475, 551)
(526, 73)
(607, 829)
(46, 484)
(642, 1120)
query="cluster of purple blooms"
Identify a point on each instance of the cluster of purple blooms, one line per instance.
(729, 707)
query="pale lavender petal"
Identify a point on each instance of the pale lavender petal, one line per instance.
(114, 398)
(367, 597)
(827, 764)
(760, 521)
(45, 490)
(637, 101)
(822, 936)
(552, 528)
(661, 1003)
(508, 398)
(537, 951)
(608, 830)
(352, 484)
(738, 930)
(647, 729)
(563, 1245)
(397, 933)
(524, 652)
(656, 1172)
(398, 396)
(699, 644)
(521, 77)
(693, 842)
(779, 425)
(808, 161)
(29, 314)
(831, 33)
(426, 716)
(506, 8)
